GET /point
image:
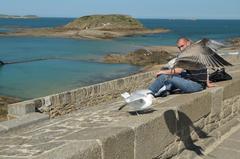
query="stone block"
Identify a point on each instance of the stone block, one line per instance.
(235, 136)
(38, 103)
(212, 127)
(187, 154)
(227, 111)
(65, 98)
(208, 142)
(74, 150)
(220, 153)
(222, 122)
(235, 109)
(23, 121)
(200, 123)
(227, 126)
(21, 108)
(176, 149)
(231, 144)
(154, 131)
(2, 129)
(152, 137)
(196, 105)
(217, 101)
(115, 142)
(231, 88)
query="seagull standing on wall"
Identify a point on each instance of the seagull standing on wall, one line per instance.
(139, 100)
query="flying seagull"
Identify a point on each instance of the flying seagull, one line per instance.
(204, 52)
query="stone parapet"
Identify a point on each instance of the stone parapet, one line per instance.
(66, 102)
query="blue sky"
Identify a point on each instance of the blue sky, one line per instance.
(200, 9)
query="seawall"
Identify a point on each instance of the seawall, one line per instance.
(65, 102)
(179, 126)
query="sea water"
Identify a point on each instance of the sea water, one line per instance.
(71, 63)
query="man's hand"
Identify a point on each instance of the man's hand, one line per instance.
(210, 84)
(170, 72)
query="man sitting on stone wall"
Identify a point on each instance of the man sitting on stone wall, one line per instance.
(192, 78)
(183, 80)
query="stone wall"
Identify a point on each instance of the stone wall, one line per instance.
(66, 102)
(220, 117)
(180, 126)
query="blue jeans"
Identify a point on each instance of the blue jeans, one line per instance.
(172, 82)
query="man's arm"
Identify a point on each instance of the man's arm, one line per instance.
(170, 72)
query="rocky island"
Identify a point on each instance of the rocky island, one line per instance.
(92, 27)
(17, 16)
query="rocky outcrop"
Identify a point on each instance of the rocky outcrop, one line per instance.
(235, 42)
(143, 56)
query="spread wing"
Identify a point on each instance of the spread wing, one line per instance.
(215, 45)
(204, 52)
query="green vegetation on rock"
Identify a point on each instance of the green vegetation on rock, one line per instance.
(105, 22)
(92, 27)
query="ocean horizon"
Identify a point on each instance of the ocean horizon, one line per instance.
(73, 63)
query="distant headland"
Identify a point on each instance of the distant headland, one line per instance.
(92, 27)
(18, 17)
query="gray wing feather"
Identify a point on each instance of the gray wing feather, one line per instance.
(204, 52)
(214, 44)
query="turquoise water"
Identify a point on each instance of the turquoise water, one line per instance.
(72, 63)
(46, 77)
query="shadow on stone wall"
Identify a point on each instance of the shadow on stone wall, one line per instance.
(180, 125)
(148, 111)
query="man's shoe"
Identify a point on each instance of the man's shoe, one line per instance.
(164, 94)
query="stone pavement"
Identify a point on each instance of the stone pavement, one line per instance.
(227, 148)
(35, 140)
(98, 132)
